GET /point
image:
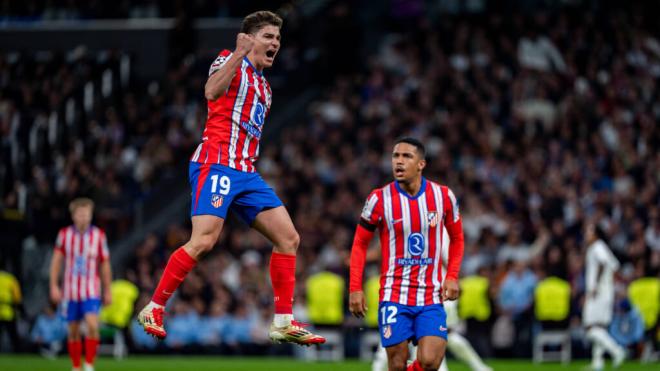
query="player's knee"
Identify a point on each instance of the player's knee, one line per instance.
(92, 328)
(202, 245)
(74, 332)
(430, 362)
(289, 244)
(397, 364)
(92, 332)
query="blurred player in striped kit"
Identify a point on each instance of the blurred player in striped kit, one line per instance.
(84, 250)
(600, 268)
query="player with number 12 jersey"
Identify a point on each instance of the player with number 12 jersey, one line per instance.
(410, 214)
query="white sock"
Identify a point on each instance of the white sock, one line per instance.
(461, 348)
(380, 360)
(282, 320)
(597, 361)
(599, 336)
(154, 305)
(443, 365)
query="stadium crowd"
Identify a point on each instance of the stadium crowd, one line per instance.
(538, 123)
(537, 134)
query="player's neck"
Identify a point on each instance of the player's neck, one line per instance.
(81, 228)
(411, 188)
(256, 66)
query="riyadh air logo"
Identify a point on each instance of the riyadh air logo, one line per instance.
(416, 244)
(259, 114)
(79, 266)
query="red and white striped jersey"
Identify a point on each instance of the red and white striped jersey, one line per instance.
(83, 254)
(235, 120)
(411, 239)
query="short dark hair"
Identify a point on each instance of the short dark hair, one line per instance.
(254, 21)
(419, 146)
(600, 233)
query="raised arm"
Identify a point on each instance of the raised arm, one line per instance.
(224, 67)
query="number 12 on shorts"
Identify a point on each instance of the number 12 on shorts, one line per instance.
(388, 314)
(225, 184)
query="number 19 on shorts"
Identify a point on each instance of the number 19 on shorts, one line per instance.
(388, 314)
(224, 183)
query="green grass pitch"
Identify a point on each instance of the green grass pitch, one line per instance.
(194, 363)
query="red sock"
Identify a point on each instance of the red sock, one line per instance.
(415, 366)
(283, 278)
(90, 350)
(75, 351)
(177, 268)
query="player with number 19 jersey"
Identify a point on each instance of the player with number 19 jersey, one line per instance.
(222, 170)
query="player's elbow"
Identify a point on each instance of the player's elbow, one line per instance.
(210, 94)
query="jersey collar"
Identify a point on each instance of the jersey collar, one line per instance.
(251, 65)
(419, 193)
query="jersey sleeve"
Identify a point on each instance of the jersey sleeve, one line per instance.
(222, 58)
(372, 212)
(59, 241)
(105, 252)
(454, 227)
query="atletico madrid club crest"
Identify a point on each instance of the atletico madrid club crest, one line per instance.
(216, 201)
(433, 219)
(387, 331)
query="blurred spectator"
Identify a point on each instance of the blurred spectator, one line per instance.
(627, 326)
(48, 332)
(516, 297)
(182, 326)
(10, 301)
(213, 327)
(240, 329)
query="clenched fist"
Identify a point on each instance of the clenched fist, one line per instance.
(244, 43)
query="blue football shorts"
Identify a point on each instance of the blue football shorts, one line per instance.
(75, 310)
(398, 323)
(218, 188)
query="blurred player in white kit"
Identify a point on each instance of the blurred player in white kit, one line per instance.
(600, 267)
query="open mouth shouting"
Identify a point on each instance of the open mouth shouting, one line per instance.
(270, 55)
